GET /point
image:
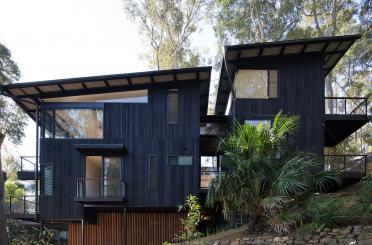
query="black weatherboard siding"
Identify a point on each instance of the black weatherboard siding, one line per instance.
(143, 130)
(301, 92)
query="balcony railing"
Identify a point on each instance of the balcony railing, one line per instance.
(346, 105)
(21, 205)
(100, 188)
(346, 163)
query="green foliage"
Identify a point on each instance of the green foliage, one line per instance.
(190, 223)
(365, 191)
(29, 235)
(266, 173)
(167, 27)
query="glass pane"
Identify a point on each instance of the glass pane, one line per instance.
(257, 122)
(111, 174)
(47, 180)
(251, 84)
(48, 123)
(79, 123)
(208, 163)
(213, 128)
(185, 160)
(93, 175)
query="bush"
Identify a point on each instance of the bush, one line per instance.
(29, 235)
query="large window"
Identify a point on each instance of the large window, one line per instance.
(73, 123)
(256, 84)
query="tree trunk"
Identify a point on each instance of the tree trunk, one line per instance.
(3, 232)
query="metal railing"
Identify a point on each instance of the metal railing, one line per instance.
(346, 163)
(100, 188)
(346, 105)
(21, 205)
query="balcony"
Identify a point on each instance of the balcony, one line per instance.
(349, 166)
(92, 190)
(21, 207)
(27, 168)
(343, 116)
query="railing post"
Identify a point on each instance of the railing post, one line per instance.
(345, 105)
(24, 204)
(10, 204)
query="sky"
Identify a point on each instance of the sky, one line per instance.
(51, 39)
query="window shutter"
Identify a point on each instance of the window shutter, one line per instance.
(153, 162)
(273, 83)
(47, 177)
(172, 106)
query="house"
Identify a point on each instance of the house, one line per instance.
(117, 153)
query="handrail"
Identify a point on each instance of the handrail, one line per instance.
(346, 163)
(359, 105)
(100, 188)
(20, 205)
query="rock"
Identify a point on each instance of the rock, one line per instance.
(347, 241)
(365, 236)
(323, 234)
(277, 239)
(216, 242)
(326, 229)
(328, 240)
(367, 228)
(258, 242)
(235, 242)
(299, 242)
(365, 242)
(307, 237)
(313, 241)
(225, 242)
(335, 230)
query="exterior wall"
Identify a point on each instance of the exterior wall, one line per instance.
(144, 131)
(301, 92)
(127, 228)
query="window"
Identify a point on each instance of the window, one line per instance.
(173, 106)
(47, 179)
(208, 170)
(102, 176)
(180, 160)
(73, 123)
(153, 168)
(257, 122)
(256, 84)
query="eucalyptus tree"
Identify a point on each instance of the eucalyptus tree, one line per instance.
(265, 172)
(167, 26)
(12, 123)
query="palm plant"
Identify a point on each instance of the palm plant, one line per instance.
(265, 172)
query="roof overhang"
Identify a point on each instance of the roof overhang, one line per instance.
(29, 95)
(332, 48)
(101, 148)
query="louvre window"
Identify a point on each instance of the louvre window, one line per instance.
(180, 160)
(256, 84)
(153, 162)
(173, 106)
(47, 180)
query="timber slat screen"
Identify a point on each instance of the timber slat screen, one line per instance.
(142, 228)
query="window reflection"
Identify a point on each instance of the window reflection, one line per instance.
(73, 123)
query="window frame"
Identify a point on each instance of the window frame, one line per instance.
(268, 69)
(42, 179)
(149, 186)
(182, 165)
(173, 91)
(53, 106)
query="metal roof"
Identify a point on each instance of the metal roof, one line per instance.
(29, 95)
(333, 49)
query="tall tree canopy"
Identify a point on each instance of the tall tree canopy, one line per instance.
(167, 27)
(12, 123)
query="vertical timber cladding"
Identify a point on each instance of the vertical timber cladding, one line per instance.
(137, 228)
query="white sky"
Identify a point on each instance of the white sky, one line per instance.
(52, 39)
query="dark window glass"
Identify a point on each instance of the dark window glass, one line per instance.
(47, 180)
(172, 160)
(153, 162)
(173, 105)
(48, 123)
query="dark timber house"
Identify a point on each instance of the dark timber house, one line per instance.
(117, 153)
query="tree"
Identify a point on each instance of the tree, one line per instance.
(167, 26)
(12, 123)
(256, 21)
(265, 171)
